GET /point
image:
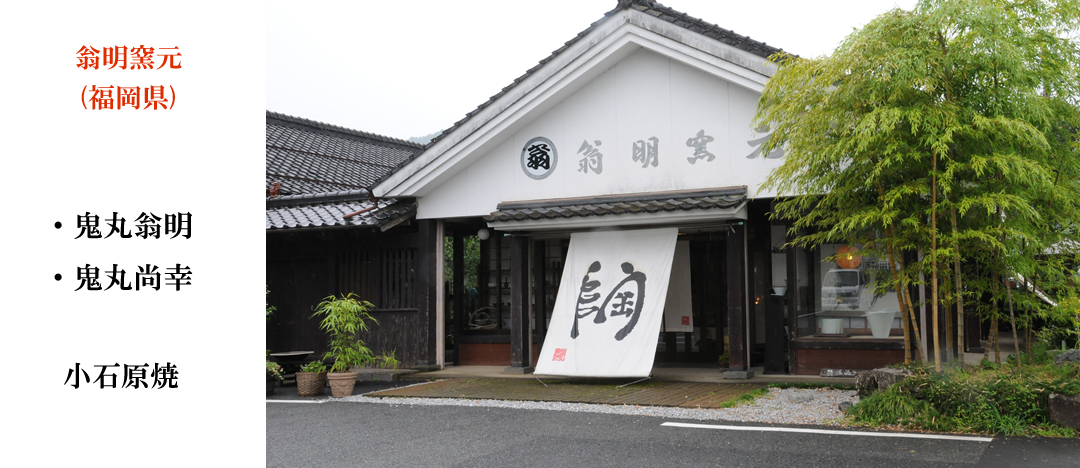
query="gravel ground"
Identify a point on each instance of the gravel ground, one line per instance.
(779, 406)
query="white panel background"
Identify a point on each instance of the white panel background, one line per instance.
(205, 157)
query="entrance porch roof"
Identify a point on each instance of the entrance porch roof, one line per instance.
(671, 207)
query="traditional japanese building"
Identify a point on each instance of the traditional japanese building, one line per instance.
(630, 148)
(600, 215)
(327, 235)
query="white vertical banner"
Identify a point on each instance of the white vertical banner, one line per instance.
(608, 312)
(678, 311)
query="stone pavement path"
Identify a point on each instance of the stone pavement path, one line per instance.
(673, 394)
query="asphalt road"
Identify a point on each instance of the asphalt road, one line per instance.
(339, 434)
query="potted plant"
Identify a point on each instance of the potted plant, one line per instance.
(311, 380)
(342, 318)
(274, 374)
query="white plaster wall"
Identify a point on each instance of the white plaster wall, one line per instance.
(644, 95)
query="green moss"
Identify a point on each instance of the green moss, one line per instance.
(746, 398)
(831, 386)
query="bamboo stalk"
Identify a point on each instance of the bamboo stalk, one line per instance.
(906, 295)
(997, 340)
(1012, 319)
(948, 295)
(933, 264)
(894, 267)
(908, 352)
(959, 293)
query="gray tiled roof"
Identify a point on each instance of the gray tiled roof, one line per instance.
(700, 26)
(648, 7)
(327, 210)
(313, 157)
(613, 205)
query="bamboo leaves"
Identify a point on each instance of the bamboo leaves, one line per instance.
(951, 129)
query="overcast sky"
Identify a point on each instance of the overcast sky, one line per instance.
(412, 67)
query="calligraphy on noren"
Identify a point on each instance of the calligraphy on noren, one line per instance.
(625, 300)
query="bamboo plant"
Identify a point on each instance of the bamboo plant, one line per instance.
(342, 318)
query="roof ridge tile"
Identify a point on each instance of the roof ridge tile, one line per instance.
(339, 129)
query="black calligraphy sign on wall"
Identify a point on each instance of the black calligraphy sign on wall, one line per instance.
(593, 159)
(539, 157)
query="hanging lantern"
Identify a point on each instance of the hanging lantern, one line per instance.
(848, 257)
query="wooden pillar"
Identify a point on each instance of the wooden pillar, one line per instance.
(520, 356)
(736, 297)
(710, 285)
(540, 277)
(459, 290)
(717, 292)
(792, 300)
(761, 281)
(774, 334)
(427, 291)
(496, 240)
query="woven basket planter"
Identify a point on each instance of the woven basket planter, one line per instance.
(342, 383)
(311, 383)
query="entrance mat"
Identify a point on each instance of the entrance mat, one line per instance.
(607, 392)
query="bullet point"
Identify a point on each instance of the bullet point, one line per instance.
(57, 276)
(58, 225)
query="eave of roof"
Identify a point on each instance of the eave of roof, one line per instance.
(329, 211)
(622, 204)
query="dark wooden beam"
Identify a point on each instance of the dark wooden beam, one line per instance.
(792, 298)
(519, 306)
(425, 289)
(736, 297)
(716, 292)
(540, 278)
(774, 335)
(497, 239)
(459, 290)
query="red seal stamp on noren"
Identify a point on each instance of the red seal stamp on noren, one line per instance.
(560, 354)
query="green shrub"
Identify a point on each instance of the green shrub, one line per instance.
(891, 407)
(1005, 399)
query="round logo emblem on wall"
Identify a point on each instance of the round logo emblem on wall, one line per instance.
(539, 157)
